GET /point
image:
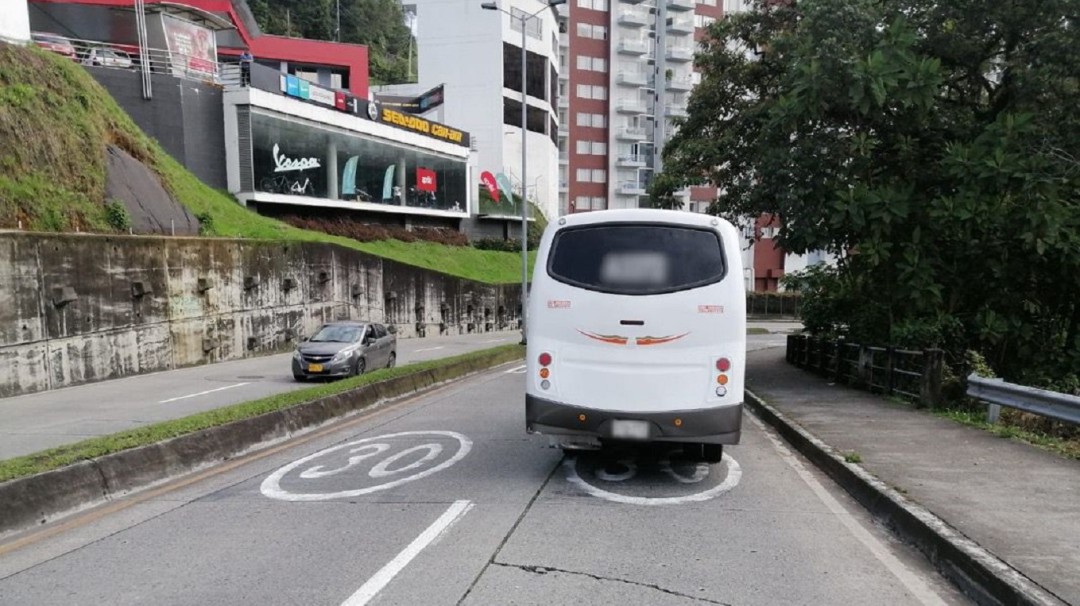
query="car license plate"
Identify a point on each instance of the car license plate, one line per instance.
(314, 368)
(631, 430)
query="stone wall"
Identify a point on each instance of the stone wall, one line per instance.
(81, 308)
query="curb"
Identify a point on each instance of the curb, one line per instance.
(44, 497)
(979, 574)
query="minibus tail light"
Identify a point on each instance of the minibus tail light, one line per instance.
(545, 359)
(723, 364)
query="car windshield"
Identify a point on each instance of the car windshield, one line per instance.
(338, 334)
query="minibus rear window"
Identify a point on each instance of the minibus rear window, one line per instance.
(637, 259)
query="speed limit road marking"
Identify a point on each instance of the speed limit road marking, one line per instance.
(438, 451)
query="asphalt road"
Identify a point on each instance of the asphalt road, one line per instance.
(43, 420)
(379, 509)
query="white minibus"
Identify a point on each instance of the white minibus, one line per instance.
(636, 331)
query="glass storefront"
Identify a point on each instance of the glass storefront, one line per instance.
(302, 159)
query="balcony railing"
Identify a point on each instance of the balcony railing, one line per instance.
(632, 133)
(681, 26)
(680, 53)
(630, 188)
(630, 107)
(631, 161)
(680, 83)
(627, 78)
(680, 5)
(632, 47)
(632, 17)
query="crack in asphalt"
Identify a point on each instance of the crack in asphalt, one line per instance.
(541, 570)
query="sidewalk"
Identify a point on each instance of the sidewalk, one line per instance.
(1018, 502)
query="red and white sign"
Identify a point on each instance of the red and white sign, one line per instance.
(553, 304)
(425, 179)
(710, 309)
(488, 180)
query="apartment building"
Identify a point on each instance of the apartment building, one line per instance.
(626, 73)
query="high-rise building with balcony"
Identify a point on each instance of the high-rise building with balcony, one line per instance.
(627, 69)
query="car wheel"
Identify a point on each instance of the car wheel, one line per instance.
(392, 361)
(358, 368)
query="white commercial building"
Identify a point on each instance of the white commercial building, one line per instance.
(15, 21)
(476, 55)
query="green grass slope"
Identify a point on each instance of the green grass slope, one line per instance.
(55, 121)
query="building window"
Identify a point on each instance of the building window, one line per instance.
(596, 5)
(534, 27)
(583, 119)
(599, 93)
(582, 175)
(596, 32)
(598, 120)
(599, 148)
(584, 91)
(584, 147)
(707, 2)
(599, 175)
(584, 62)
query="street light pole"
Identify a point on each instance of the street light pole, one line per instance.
(524, 19)
(524, 189)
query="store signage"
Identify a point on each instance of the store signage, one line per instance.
(415, 105)
(302, 89)
(419, 125)
(299, 88)
(285, 164)
(425, 179)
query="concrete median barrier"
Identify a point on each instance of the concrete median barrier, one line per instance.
(45, 497)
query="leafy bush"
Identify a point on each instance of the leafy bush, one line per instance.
(117, 216)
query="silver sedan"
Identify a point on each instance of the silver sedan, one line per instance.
(345, 349)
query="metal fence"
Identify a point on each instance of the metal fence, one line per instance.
(912, 374)
(997, 393)
(772, 304)
(160, 61)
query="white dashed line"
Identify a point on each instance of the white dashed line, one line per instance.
(387, 573)
(202, 393)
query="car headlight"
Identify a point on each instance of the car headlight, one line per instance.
(296, 355)
(341, 356)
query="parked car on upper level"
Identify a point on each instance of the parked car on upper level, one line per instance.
(345, 349)
(55, 43)
(108, 57)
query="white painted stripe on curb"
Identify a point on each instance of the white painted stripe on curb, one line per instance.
(430, 349)
(914, 584)
(202, 393)
(387, 573)
(517, 370)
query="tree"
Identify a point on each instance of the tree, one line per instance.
(377, 24)
(931, 145)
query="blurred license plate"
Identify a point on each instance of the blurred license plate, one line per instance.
(314, 367)
(633, 430)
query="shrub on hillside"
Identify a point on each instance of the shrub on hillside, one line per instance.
(368, 232)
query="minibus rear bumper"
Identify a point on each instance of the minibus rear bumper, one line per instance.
(716, 425)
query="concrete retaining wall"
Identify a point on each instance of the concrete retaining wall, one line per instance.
(81, 308)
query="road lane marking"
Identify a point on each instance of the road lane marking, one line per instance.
(387, 573)
(203, 393)
(518, 370)
(493, 341)
(271, 486)
(918, 588)
(430, 349)
(734, 474)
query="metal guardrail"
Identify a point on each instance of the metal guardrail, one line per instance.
(997, 393)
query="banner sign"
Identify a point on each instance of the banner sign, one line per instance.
(506, 187)
(348, 177)
(489, 181)
(192, 48)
